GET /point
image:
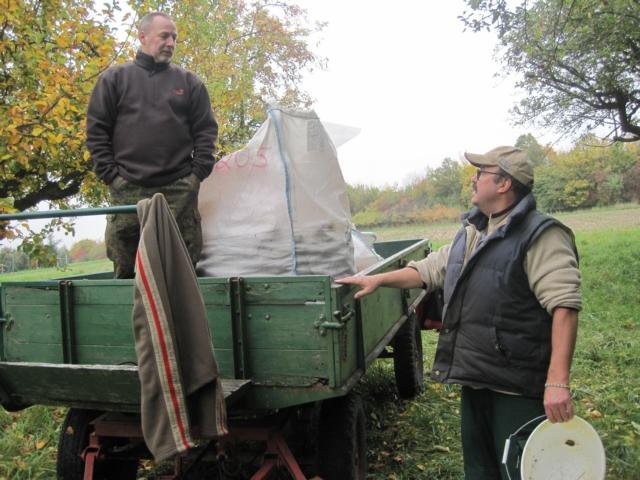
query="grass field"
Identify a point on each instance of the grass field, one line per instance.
(419, 439)
(82, 268)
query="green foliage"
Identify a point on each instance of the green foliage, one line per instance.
(445, 182)
(577, 61)
(12, 260)
(575, 193)
(50, 55)
(369, 218)
(536, 154)
(611, 188)
(361, 197)
(87, 250)
(631, 183)
(40, 246)
(433, 198)
(593, 173)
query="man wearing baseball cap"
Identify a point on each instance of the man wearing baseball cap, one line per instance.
(511, 300)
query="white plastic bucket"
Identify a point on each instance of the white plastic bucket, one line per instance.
(562, 451)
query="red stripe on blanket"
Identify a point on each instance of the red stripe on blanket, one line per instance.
(163, 348)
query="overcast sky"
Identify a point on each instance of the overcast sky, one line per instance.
(419, 87)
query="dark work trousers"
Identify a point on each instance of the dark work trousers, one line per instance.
(487, 420)
(123, 229)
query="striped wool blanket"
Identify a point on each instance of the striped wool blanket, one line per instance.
(181, 392)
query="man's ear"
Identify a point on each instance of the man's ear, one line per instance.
(506, 185)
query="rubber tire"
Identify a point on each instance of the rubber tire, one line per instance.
(342, 439)
(408, 361)
(74, 438)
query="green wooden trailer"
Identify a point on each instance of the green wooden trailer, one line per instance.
(290, 351)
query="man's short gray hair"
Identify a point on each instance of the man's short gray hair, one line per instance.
(145, 22)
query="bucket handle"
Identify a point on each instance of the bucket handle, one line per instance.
(507, 443)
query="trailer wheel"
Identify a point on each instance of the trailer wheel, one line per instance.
(74, 438)
(342, 439)
(408, 363)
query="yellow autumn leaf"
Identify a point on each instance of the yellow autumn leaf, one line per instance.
(41, 105)
(63, 41)
(6, 205)
(105, 50)
(40, 444)
(37, 131)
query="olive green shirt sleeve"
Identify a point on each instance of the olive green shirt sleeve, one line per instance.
(433, 268)
(552, 268)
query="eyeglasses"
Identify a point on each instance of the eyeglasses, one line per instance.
(479, 173)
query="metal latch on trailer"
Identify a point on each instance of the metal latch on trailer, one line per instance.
(341, 318)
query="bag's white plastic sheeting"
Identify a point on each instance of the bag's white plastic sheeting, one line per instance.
(363, 251)
(279, 205)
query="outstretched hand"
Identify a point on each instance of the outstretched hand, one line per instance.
(558, 404)
(367, 284)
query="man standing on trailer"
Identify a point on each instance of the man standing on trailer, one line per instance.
(512, 295)
(150, 128)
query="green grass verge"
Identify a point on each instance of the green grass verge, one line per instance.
(81, 268)
(28, 444)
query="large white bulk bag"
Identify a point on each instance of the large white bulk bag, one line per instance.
(279, 205)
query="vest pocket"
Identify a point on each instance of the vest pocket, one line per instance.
(501, 352)
(517, 346)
